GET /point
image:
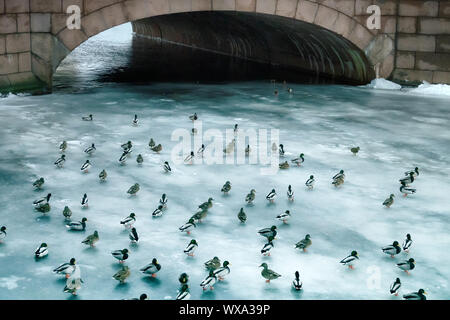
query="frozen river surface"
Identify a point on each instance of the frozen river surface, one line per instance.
(396, 131)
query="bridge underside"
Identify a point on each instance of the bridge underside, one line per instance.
(225, 45)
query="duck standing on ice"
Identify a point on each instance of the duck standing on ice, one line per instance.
(406, 190)
(271, 196)
(242, 216)
(90, 150)
(355, 150)
(60, 161)
(419, 295)
(251, 196)
(66, 268)
(290, 193)
(395, 287)
(389, 201)
(284, 216)
(2, 233)
(103, 175)
(85, 201)
(135, 120)
(167, 167)
(88, 118)
(92, 239)
(209, 281)
(152, 268)
(268, 274)
(42, 201)
(298, 161)
(222, 271)
(77, 225)
(310, 182)
(41, 251)
(268, 232)
(188, 227)
(350, 259)
(129, 221)
(226, 187)
(393, 249)
(39, 183)
(120, 255)
(134, 189)
(85, 167)
(267, 247)
(67, 213)
(407, 244)
(304, 243)
(63, 146)
(190, 249)
(407, 265)
(297, 284)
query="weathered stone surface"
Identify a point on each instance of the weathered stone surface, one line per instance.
(432, 61)
(388, 24)
(4, 82)
(180, 6)
(414, 8)
(22, 79)
(17, 6)
(443, 43)
(25, 62)
(91, 6)
(139, 9)
(67, 3)
(345, 6)
(42, 45)
(266, 6)
(286, 8)
(72, 38)
(306, 11)
(17, 42)
(223, 4)
(416, 43)
(48, 6)
(409, 75)
(41, 69)
(114, 15)
(93, 23)
(406, 60)
(361, 6)
(8, 23)
(360, 36)
(344, 25)
(387, 66)
(326, 17)
(444, 9)
(434, 26)
(388, 7)
(246, 5)
(59, 22)
(407, 24)
(40, 22)
(441, 77)
(2, 44)
(9, 63)
(23, 22)
(201, 5)
(2, 6)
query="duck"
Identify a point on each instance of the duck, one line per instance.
(406, 265)
(207, 205)
(67, 213)
(188, 227)
(274, 147)
(66, 268)
(290, 193)
(310, 182)
(63, 146)
(142, 297)
(88, 118)
(350, 259)
(251, 196)
(230, 146)
(158, 211)
(73, 285)
(194, 131)
(284, 165)
(44, 208)
(201, 150)
(284, 216)
(123, 158)
(151, 143)
(224, 270)
(289, 90)
(271, 196)
(157, 148)
(304, 243)
(41, 201)
(103, 175)
(226, 187)
(77, 225)
(337, 182)
(407, 180)
(183, 278)
(152, 268)
(191, 247)
(183, 293)
(41, 251)
(406, 190)
(281, 150)
(135, 120)
(339, 175)
(414, 172)
(139, 159)
(92, 239)
(213, 264)
(267, 247)
(395, 287)
(129, 221)
(39, 183)
(127, 146)
(193, 117)
(419, 295)
(235, 130)
(407, 243)
(60, 161)
(267, 232)
(163, 200)
(120, 255)
(267, 273)
(247, 150)
(2, 233)
(85, 167)
(167, 167)
(189, 158)
(134, 189)
(389, 201)
(297, 284)
(85, 201)
(122, 274)
(298, 161)
(133, 235)
(209, 281)
(242, 216)
(354, 150)
(90, 150)
(200, 215)
(392, 249)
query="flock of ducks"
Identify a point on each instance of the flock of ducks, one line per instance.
(217, 271)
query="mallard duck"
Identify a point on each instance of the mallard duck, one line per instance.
(290, 193)
(122, 274)
(142, 297)
(129, 221)
(406, 190)
(90, 150)
(66, 268)
(414, 172)
(226, 187)
(350, 259)
(2, 233)
(389, 201)
(39, 183)
(281, 150)
(190, 249)
(268, 274)
(67, 213)
(407, 243)
(419, 295)
(88, 118)
(183, 278)
(201, 150)
(284, 216)
(274, 147)
(163, 200)
(193, 117)
(157, 148)
(242, 216)
(167, 167)
(41, 201)
(247, 150)
(235, 130)
(133, 235)
(85, 201)
(339, 175)
(139, 159)
(183, 293)
(151, 143)
(354, 150)
(407, 180)
(63, 146)
(103, 175)
(127, 146)
(194, 131)
(251, 196)
(209, 281)
(284, 165)
(190, 158)
(60, 162)
(271, 196)
(123, 158)
(338, 182)
(267, 232)
(44, 208)
(85, 167)
(199, 216)
(304, 243)
(395, 287)
(207, 205)
(298, 161)
(267, 247)
(135, 120)
(120, 255)
(158, 211)
(134, 189)
(152, 268)
(310, 182)
(297, 284)
(77, 225)
(213, 264)
(92, 239)
(73, 285)
(221, 272)
(188, 227)
(41, 251)
(392, 249)
(230, 146)
(407, 265)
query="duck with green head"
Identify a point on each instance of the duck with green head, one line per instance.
(209, 281)
(191, 247)
(224, 270)
(267, 247)
(188, 227)
(39, 183)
